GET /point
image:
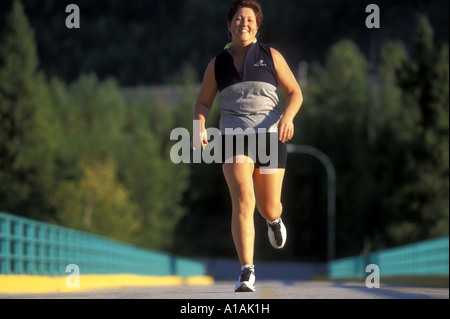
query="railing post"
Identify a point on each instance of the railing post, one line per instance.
(5, 244)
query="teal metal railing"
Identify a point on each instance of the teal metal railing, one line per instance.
(419, 259)
(32, 247)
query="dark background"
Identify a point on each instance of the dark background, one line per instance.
(141, 42)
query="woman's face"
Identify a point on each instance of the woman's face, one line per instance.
(243, 27)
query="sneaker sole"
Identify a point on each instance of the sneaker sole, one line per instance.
(244, 288)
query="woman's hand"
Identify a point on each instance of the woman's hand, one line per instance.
(199, 141)
(285, 129)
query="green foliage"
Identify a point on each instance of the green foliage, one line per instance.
(143, 42)
(122, 179)
(334, 120)
(94, 117)
(29, 129)
(153, 180)
(387, 135)
(81, 155)
(97, 202)
(417, 199)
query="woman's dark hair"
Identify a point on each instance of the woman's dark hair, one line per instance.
(252, 4)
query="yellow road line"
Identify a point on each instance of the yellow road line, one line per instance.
(11, 284)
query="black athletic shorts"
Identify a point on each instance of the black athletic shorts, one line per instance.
(265, 149)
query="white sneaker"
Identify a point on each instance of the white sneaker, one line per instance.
(277, 233)
(246, 281)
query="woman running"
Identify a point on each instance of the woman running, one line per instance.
(247, 74)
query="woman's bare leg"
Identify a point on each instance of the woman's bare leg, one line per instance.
(268, 193)
(239, 177)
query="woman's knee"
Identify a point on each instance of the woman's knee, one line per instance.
(244, 203)
(270, 209)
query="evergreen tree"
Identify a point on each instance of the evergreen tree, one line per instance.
(419, 201)
(335, 121)
(155, 183)
(91, 197)
(392, 132)
(29, 126)
(97, 202)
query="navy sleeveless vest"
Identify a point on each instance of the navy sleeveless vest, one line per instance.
(248, 100)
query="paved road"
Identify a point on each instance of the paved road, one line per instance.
(265, 290)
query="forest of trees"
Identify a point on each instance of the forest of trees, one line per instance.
(76, 151)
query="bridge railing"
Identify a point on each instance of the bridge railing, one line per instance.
(426, 258)
(32, 247)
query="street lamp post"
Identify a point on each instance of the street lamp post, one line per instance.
(331, 176)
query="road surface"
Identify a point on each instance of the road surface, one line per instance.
(264, 290)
